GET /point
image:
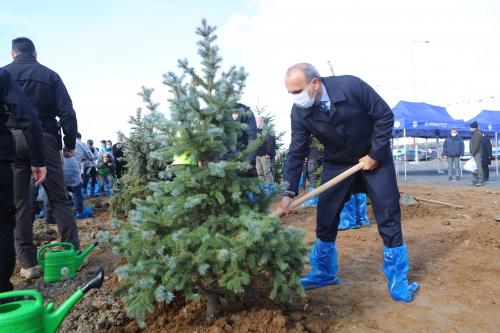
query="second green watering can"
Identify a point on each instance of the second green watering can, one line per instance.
(20, 313)
(63, 263)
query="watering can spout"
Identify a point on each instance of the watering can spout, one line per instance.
(80, 257)
(53, 319)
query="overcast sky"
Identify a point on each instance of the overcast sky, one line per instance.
(106, 50)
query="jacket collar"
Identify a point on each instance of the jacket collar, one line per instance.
(334, 93)
(24, 57)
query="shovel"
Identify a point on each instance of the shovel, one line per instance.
(322, 188)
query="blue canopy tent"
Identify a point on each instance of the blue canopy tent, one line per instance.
(489, 122)
(425, 121)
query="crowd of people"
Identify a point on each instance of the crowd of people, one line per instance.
(35, 110)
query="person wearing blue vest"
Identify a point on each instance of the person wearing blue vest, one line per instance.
(354, 125)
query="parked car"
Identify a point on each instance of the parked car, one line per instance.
(422, 155)
(466, 156)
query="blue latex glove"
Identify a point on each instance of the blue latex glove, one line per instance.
(395, 267)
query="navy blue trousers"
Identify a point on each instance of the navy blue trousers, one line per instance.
(381, 186)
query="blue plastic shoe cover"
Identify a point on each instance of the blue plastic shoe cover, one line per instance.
(323, 259)
(311, 202)
(395, 267)
(361, 217)
(110, 192)
(348, 215)
(102, 194)
(87, 212)
(301, 182)
(41, 215)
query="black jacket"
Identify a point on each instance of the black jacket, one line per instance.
(245, 137)
(359, 123)
(17, 104)
(267, 147)
(48, 94)
(117, 150)
(487, 151)
(453, 146)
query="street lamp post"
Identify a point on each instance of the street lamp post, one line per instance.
(414, 89)
(413, 56)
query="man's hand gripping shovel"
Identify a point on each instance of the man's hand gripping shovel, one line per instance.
(286, 210)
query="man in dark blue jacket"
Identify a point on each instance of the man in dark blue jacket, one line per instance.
(453, 150)
(12, 97)
(49, 96)
(354, 124)
(244, 138)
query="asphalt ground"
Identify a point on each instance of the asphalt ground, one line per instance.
(426, 172)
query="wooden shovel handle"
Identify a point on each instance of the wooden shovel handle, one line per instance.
(438, 202)
(322, 188)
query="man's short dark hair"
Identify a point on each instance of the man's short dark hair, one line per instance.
(78, 136)
(109, 141)
(22, 45)
(103, 141)
(90, 142)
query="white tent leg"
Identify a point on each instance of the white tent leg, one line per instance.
(438, 154)
(397, 150)
(496, 151)
(405, 150)
(426, 151)
(416, 149)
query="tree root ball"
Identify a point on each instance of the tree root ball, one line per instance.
(98, 205)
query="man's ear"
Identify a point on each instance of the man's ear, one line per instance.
(35, 55)
(316, 82)
(13, 54)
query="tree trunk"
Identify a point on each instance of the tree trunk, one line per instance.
(212, 306)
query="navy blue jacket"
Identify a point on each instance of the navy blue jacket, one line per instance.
(47, 92)
(13, 99)
(453, 146)
(487, 151)
(359, 123)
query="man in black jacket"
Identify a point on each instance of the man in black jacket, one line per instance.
(265, 153)
(475, 153)
(486, 156)
(12, 97)
(249, 134)
(354, 125)
(48, 94)
(453, 150)
(118, 154)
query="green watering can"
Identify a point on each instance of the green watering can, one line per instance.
(29, 316)
(64, 263)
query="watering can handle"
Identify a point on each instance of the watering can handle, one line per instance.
(39, 254)
(21, 293)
